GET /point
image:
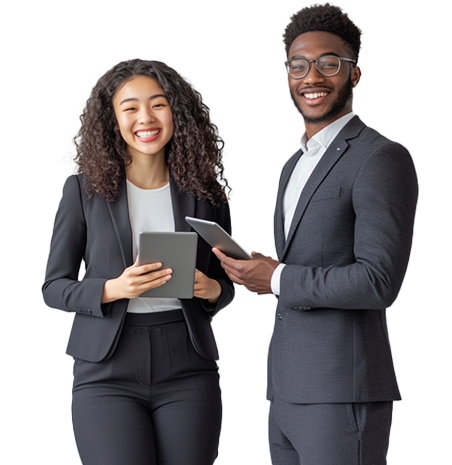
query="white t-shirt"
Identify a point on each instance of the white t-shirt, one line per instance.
(150, 210)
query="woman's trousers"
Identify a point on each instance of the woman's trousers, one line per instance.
(156, 401)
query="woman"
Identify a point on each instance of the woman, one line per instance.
(146, 388)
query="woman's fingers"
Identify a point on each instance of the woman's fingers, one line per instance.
(206, 288)
(139, 278)
(155, 277)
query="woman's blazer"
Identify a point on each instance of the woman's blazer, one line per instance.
(99, 233)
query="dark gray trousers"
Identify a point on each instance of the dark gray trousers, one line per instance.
(329, 434)
(155, 401)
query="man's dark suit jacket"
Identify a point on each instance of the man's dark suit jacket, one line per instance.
(99, 233)
(346, 255)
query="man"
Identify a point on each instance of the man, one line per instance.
(343, 228)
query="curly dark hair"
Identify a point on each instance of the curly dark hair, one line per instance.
(193, 155)
(328, 18)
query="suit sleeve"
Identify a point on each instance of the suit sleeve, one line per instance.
(216, 271)
(61, 288)
(384, 200)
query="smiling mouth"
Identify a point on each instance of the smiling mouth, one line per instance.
(147, 134)
(314, 95)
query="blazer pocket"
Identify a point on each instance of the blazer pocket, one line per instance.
(327, 194)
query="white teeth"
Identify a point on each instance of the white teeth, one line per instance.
(315, 95)
(147, 134)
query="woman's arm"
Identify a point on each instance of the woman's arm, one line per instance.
(61, 288)
(91, 296)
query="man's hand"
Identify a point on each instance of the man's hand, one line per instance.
(255, 274)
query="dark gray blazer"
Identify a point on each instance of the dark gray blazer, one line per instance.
(99, 233)
(346, 256)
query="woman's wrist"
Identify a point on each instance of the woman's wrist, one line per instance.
(109, 292)
(216, 292)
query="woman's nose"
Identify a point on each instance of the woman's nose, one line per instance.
(147, 116)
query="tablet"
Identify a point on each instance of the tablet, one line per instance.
(175, 250)
(217, 237)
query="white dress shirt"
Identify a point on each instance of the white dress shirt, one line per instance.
(313, 150)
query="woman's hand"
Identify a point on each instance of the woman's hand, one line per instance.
(206, 288)
(134, 281)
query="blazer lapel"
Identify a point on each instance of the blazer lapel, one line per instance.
(278, 220)
(334, 152)
(184, 204)
(119, 211)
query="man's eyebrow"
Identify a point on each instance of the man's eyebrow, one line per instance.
(322, 55)
(133, 99)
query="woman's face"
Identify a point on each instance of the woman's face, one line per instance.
(144, 117)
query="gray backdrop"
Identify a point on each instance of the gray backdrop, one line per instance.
(232, 52)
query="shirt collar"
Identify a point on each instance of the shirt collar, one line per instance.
(326, 136)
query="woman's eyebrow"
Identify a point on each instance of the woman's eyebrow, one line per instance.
(134, 99)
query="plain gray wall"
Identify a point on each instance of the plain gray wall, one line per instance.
(232, 52)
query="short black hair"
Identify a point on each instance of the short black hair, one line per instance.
(328, 18)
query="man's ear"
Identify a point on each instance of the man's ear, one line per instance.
(356, 75)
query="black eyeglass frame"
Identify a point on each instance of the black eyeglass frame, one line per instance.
(287, 63)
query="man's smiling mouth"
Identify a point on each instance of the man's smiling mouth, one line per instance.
(314, 95)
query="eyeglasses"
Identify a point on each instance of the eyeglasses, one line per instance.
(328, 65)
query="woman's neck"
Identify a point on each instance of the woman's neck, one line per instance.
(148, 172)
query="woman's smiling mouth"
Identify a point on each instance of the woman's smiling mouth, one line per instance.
(148, 136)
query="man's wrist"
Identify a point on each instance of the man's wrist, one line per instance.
(276, 279)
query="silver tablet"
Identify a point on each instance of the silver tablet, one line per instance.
(217, 237)
(175, 250)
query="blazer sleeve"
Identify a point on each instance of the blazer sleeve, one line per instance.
(61, 288)
(384, 197)
(215, 271)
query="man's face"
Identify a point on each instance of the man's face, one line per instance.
(322, 99)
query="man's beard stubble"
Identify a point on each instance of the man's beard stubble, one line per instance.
(344, 95)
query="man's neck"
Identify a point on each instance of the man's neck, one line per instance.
(313, 128)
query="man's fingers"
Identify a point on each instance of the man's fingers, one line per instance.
(229, 263)
(220, 255)
(233, 277)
